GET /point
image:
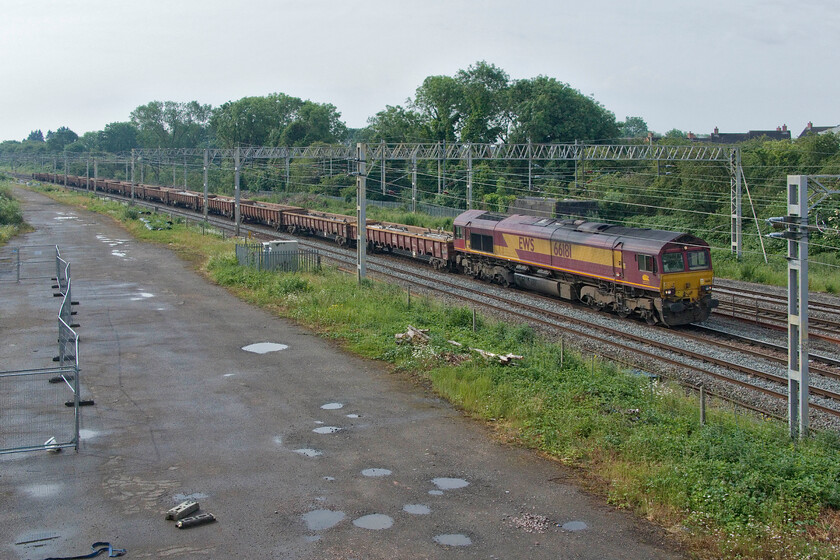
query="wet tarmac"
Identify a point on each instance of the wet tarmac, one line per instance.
(184, 411)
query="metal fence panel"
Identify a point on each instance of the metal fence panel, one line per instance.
(39, 408)
(255, 255)
(33, 409)
(30, 262)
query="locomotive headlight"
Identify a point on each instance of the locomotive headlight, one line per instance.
(706, 289)
(670, 291)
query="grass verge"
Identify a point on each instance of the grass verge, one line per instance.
(735, 488)
(11, 219)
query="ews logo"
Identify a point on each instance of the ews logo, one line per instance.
(526, 244)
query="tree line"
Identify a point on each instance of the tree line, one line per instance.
(479, 104)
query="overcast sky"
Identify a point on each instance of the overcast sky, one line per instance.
(735, 64)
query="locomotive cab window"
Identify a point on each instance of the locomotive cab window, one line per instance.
(459, 232)
(483, 243)
(698, 260)
(672, 262)
(646, 263)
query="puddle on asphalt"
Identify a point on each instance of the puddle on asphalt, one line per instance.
(318, 422)
(417, 509)
(450, 483)
(322, 519)
(332, 406)
(453, 540)
(309, 452)
(185, 497)
(229, 375)
(66, 217)
(436, 492)
(352, 416)
(264, 347)
(329, 478)
(42, 490)
(376, 472)
(120, 254)
(141, 296)
(87, 434)
(278, 440)
(575, 526)
(327, 430)
(374, 522)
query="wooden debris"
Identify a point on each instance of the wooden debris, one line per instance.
(413, 335)
(503, 359)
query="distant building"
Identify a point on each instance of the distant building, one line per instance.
(811, 129)
(717, 137)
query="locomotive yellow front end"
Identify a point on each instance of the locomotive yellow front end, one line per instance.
(686, 285)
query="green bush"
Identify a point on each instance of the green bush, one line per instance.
(10, 213)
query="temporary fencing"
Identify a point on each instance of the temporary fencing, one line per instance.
(264, 257)
(39, 408)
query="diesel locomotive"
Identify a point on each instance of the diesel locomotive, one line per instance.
(661, 276)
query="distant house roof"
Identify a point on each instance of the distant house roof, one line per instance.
(811, 129)
(781, 133)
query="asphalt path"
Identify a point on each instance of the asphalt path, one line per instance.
(182, 412)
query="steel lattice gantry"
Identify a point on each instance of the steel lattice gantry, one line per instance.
(407, 151)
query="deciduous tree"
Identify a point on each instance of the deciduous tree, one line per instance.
(56, 141)
(546, 110)
(634, 127)
(172, 124)
(253, 120)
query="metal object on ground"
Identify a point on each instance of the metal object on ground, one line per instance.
(199, 519)
(51, 445)
(182, 510)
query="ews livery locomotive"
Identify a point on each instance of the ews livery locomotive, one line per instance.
(661, 276)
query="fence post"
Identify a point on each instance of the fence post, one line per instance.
(473, 319)
(76, 397)
(562, 349)
(702, 405)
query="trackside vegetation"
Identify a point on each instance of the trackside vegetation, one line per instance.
(11, 219)
(734, 488)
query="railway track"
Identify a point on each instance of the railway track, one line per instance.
(624, 343)
(770, 310)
